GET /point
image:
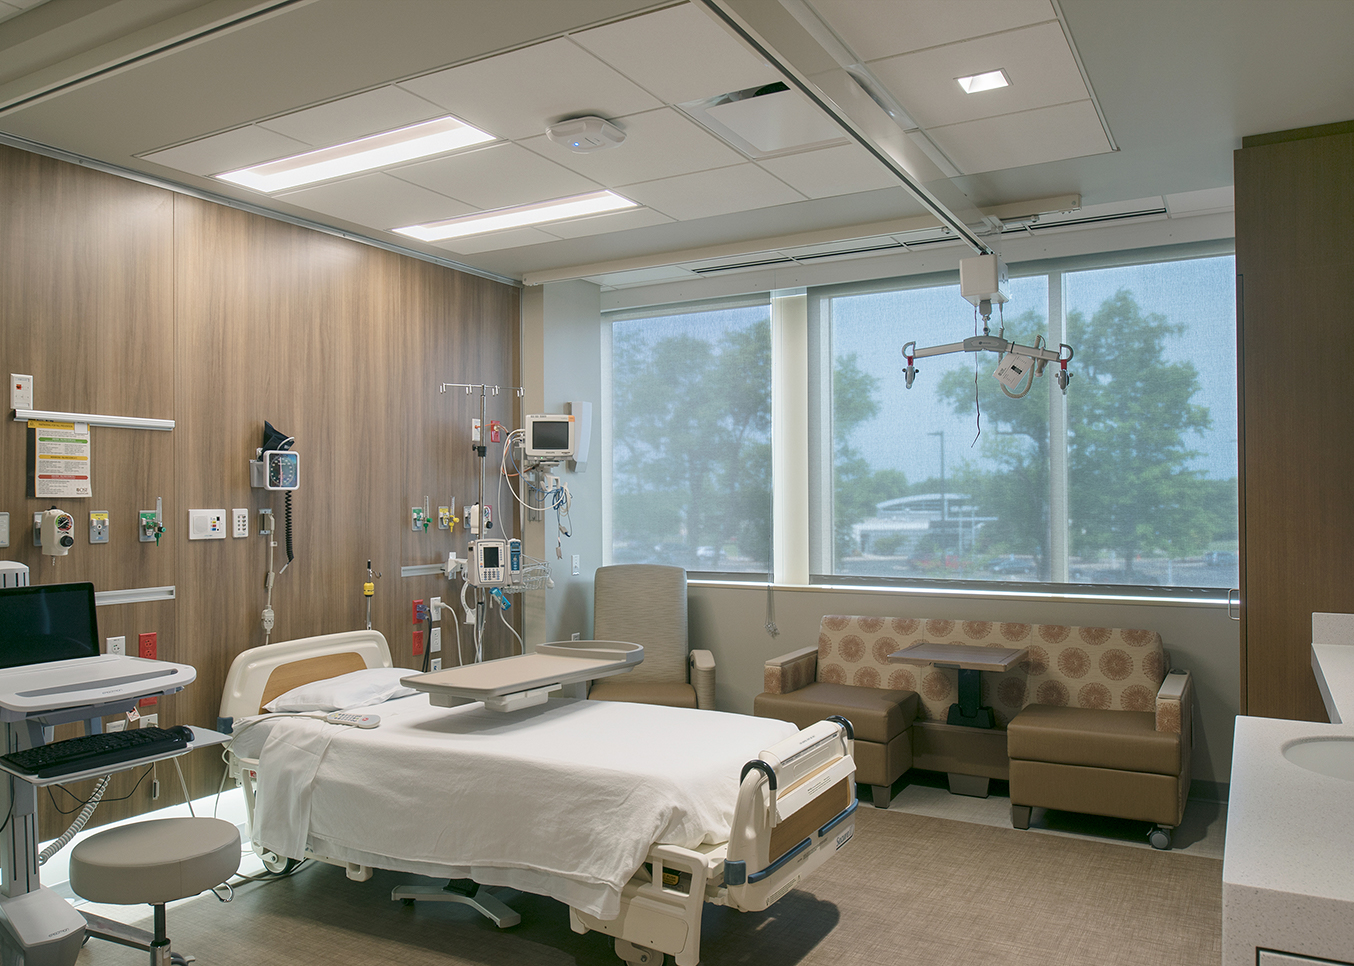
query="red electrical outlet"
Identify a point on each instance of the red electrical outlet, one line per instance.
(146, 648)
(414, 610)
(418, 643)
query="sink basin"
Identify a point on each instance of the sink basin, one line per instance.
(1325, 756)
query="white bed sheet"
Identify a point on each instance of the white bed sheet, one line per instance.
(564, 799)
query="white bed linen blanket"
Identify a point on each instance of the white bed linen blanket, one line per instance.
(564, 799)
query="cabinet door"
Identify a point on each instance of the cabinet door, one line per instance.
(1295, 267)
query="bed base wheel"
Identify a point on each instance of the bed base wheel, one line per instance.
(639, 955)
(881, 795)
(1020, 816)
(1160, 838)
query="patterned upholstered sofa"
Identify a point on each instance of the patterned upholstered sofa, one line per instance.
(1091, 720)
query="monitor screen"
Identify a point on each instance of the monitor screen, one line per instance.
(550, 434)
(48, 622)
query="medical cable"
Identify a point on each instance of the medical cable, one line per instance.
(503, 617)
(287, 525)
(85, 801)
(79, 822)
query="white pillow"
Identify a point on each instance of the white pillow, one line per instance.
(356, 689)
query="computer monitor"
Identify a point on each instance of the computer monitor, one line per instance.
(47, 622)
(550, 436)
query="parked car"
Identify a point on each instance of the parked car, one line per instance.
(1013, 565)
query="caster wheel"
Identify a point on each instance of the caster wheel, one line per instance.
(1160, 838)
(276, 864)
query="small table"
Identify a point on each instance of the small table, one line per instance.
(971, 660)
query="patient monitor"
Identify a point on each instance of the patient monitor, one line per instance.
(550, 438)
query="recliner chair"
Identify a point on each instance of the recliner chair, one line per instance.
(646, 604)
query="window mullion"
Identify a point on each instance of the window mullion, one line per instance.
(1058, 524)
(790, 436)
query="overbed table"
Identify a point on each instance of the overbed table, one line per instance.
(971, 660)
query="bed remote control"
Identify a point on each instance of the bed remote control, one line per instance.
(355, 720)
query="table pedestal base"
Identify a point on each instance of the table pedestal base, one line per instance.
(966, 711)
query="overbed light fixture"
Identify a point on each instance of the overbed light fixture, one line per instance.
(988, 81)
(577, 206)
(421, 140)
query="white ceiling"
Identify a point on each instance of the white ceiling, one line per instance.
(184, 89)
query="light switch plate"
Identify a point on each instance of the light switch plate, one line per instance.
(206, 524)
(4, 529)
(240, 521)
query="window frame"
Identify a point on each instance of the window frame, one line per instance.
(821, 457)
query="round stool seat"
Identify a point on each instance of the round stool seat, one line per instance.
(156, 861)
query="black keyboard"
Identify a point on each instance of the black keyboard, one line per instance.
(96, 751)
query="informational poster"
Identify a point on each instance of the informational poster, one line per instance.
(60, 459)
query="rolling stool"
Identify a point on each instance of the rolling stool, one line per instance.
(152, 862)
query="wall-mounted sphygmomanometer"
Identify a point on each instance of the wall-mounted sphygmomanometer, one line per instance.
(278, 467)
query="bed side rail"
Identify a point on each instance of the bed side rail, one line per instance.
(796, 808)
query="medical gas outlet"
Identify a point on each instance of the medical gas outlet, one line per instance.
(58, 532)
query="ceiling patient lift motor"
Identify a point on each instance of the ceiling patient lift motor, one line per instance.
(982, 281)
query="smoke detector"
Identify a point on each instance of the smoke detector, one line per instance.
(585, 134)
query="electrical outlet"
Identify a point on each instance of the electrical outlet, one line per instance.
(145, 645)
(575, 636)
(435, 609)
(573, 562)
(436, 664)
(414, 609)
(418, 643)
(4, 529)
(240, 518)
(116, 645)
(435, 640)
(118, 724)
(149, 721)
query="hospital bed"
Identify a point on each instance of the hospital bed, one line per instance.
(633, 815)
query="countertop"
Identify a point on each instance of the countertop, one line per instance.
(1288, 864)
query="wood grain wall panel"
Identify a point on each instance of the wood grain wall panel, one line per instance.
(467, 330)
(1295, 262)
(128, 299)
(86, 307)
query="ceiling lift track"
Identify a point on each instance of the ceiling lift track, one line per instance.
(791, 37)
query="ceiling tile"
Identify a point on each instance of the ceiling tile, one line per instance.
(228, 151)
(496, 177)
(349, 118)
(689, 196)
(658, 144)
(1030, 137)
(497, 241)
(678, 54)
(878, 29)
(516, 95)
(379, 201)
(781, 121)
(1036, 59)
(831, 171)
(601, 224)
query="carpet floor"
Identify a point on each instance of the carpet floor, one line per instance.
(909, 888)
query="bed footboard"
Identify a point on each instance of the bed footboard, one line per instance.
(796, 808)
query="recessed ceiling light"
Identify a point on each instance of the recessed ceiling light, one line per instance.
(988, 81)
(377, 151)
(593, 203)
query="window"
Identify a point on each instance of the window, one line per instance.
(691, 438)
(1129, 479)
